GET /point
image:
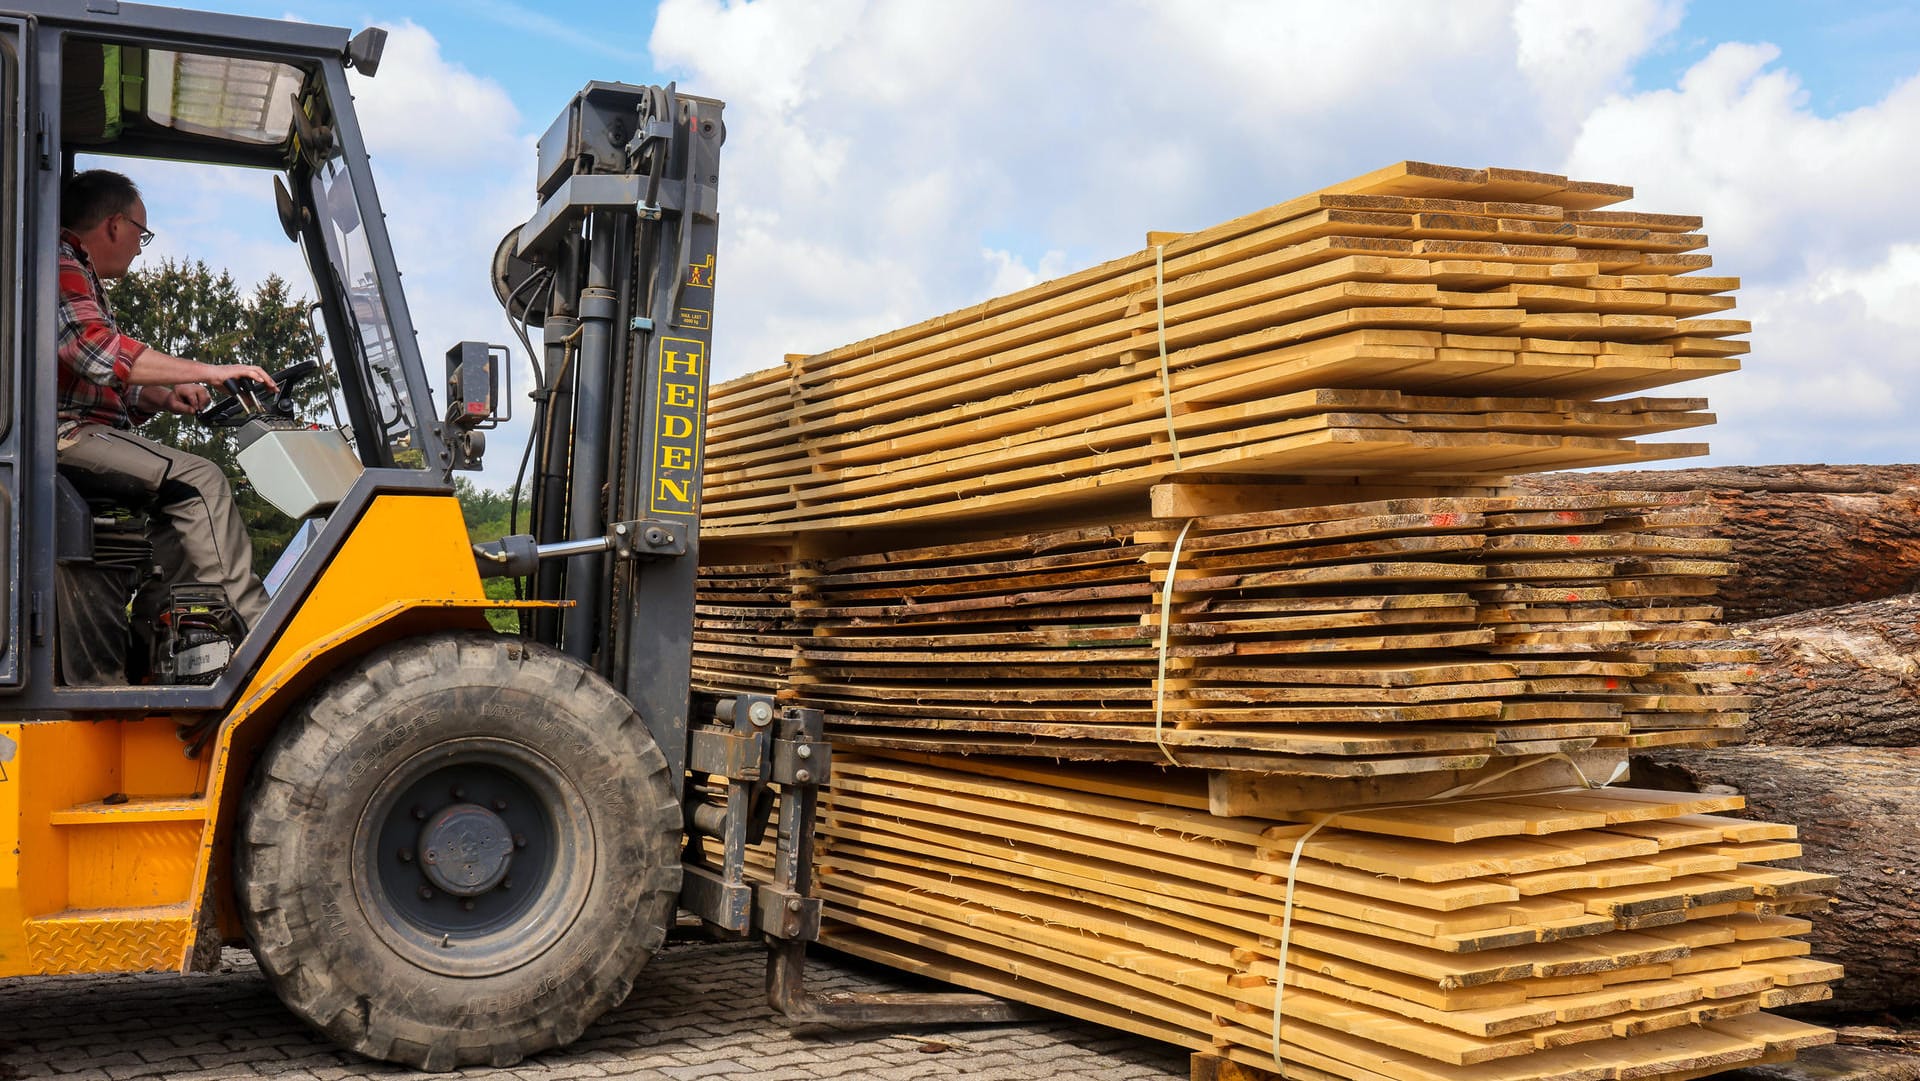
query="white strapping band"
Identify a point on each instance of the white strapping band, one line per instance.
(1160, 320)
(1166, 631)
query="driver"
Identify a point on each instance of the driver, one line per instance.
(109, 383)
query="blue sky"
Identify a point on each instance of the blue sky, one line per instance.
(892, 159)
(1846, 54)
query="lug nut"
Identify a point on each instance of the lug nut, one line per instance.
(419, 813)
(519, 840)
(406, 855)
(506, 883)
(499, 805)
(426, 893)
(459, 792)
(466, 906)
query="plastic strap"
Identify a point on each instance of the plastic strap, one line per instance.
(1166, 630)
(1160, 321)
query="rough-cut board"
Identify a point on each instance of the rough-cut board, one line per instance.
(1082, 896)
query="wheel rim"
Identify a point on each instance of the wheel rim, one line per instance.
(474, 857)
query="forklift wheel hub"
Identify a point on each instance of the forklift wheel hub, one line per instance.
(466, 850)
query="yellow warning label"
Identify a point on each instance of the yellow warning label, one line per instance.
(678, 403)
(700, 275)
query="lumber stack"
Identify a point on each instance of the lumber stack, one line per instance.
(1547, 624)
(1572, 935)
(1222, 532)
(1422, 321)
(1389, 637)
(744, 628)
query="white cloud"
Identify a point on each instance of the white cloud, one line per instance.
(424, 110)
(1574, 55)
(914, 136)
(1781, 186)
(1889, 291)
(1816, 216)
(455, 172)
(1012, 274)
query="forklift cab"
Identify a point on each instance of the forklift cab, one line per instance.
(139, 82)
(372, 719)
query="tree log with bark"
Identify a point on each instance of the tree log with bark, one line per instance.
(1805, 536)
(1843, 675)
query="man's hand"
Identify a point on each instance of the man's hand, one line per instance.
(220, 373)
(188, 399)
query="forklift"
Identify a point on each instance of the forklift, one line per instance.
(445, 845)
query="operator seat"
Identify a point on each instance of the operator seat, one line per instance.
(101, 555)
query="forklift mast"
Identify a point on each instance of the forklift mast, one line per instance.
(624, 242)
(616, 267)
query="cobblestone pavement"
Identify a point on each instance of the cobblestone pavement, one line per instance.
(700, 1012)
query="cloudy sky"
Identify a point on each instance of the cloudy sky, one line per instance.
(887, 161)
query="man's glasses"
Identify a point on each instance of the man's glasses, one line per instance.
(146, 234)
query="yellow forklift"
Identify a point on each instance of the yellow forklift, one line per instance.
(445, 845)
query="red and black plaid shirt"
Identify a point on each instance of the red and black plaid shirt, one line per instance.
(94, 356)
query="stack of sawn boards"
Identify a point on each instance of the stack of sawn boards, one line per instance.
(1390, 637)
(1577, 936)
(943, 538)
(1421, 321)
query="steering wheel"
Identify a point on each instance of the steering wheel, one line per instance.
(233, 410)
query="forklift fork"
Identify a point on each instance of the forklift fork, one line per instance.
(803, 1009)
(754, 746)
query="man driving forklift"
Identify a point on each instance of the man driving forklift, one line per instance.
(109, 383)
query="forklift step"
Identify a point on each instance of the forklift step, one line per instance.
(131, 852)
(143, 809)
(149, 939)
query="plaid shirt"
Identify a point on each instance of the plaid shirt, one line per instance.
(94, 356)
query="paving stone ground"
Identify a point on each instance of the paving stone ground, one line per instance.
(700, 1012)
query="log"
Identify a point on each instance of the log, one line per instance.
(1860, 821)
(1806, 536)
(1848, 675)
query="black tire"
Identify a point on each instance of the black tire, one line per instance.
(373, 868)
